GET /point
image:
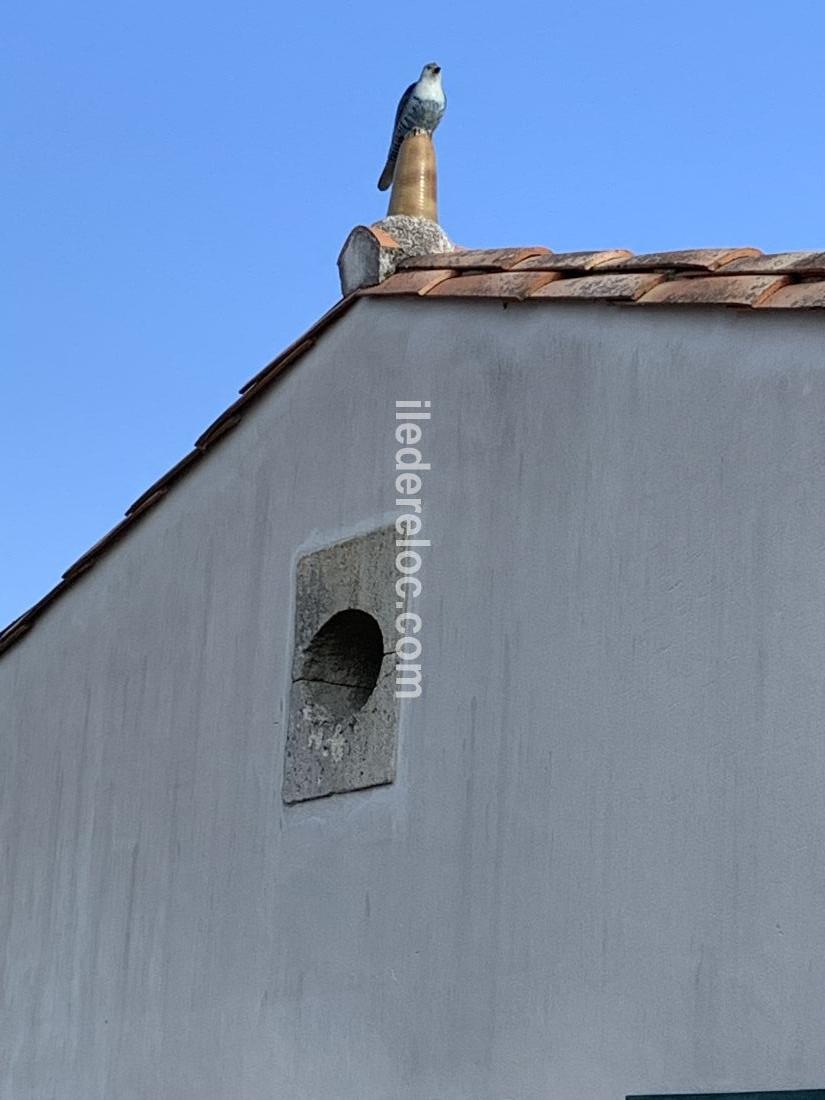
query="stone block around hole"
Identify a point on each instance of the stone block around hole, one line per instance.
(343, 713)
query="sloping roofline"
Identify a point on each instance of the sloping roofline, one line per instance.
(743, 277)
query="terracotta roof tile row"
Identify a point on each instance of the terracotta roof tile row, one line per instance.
(708, 276)
(741, 277)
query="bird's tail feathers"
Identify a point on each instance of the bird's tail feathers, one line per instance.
(387, 174)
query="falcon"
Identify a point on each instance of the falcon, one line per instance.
(420, 111)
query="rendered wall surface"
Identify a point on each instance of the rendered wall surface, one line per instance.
(600, 868)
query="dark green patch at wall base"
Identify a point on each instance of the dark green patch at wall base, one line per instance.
(792, 1094)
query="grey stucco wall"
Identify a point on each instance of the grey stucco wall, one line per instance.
(600, 870)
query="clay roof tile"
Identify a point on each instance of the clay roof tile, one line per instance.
(691, 259)
(474, 259)
(497, 284)
(571, 261)
(609, 287)
(809, 295)
(790, 263)
(724, 290)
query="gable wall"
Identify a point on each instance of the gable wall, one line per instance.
(599, 870)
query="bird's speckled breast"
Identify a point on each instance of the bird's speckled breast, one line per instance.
(424, 114)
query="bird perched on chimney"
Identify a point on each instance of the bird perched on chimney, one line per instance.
(420, 111)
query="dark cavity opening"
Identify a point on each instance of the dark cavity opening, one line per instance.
(342, 663)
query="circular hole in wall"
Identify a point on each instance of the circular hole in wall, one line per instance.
(342, 663)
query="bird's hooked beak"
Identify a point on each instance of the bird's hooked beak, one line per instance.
(432, 69)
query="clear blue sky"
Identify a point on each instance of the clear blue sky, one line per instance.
(179, 178)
